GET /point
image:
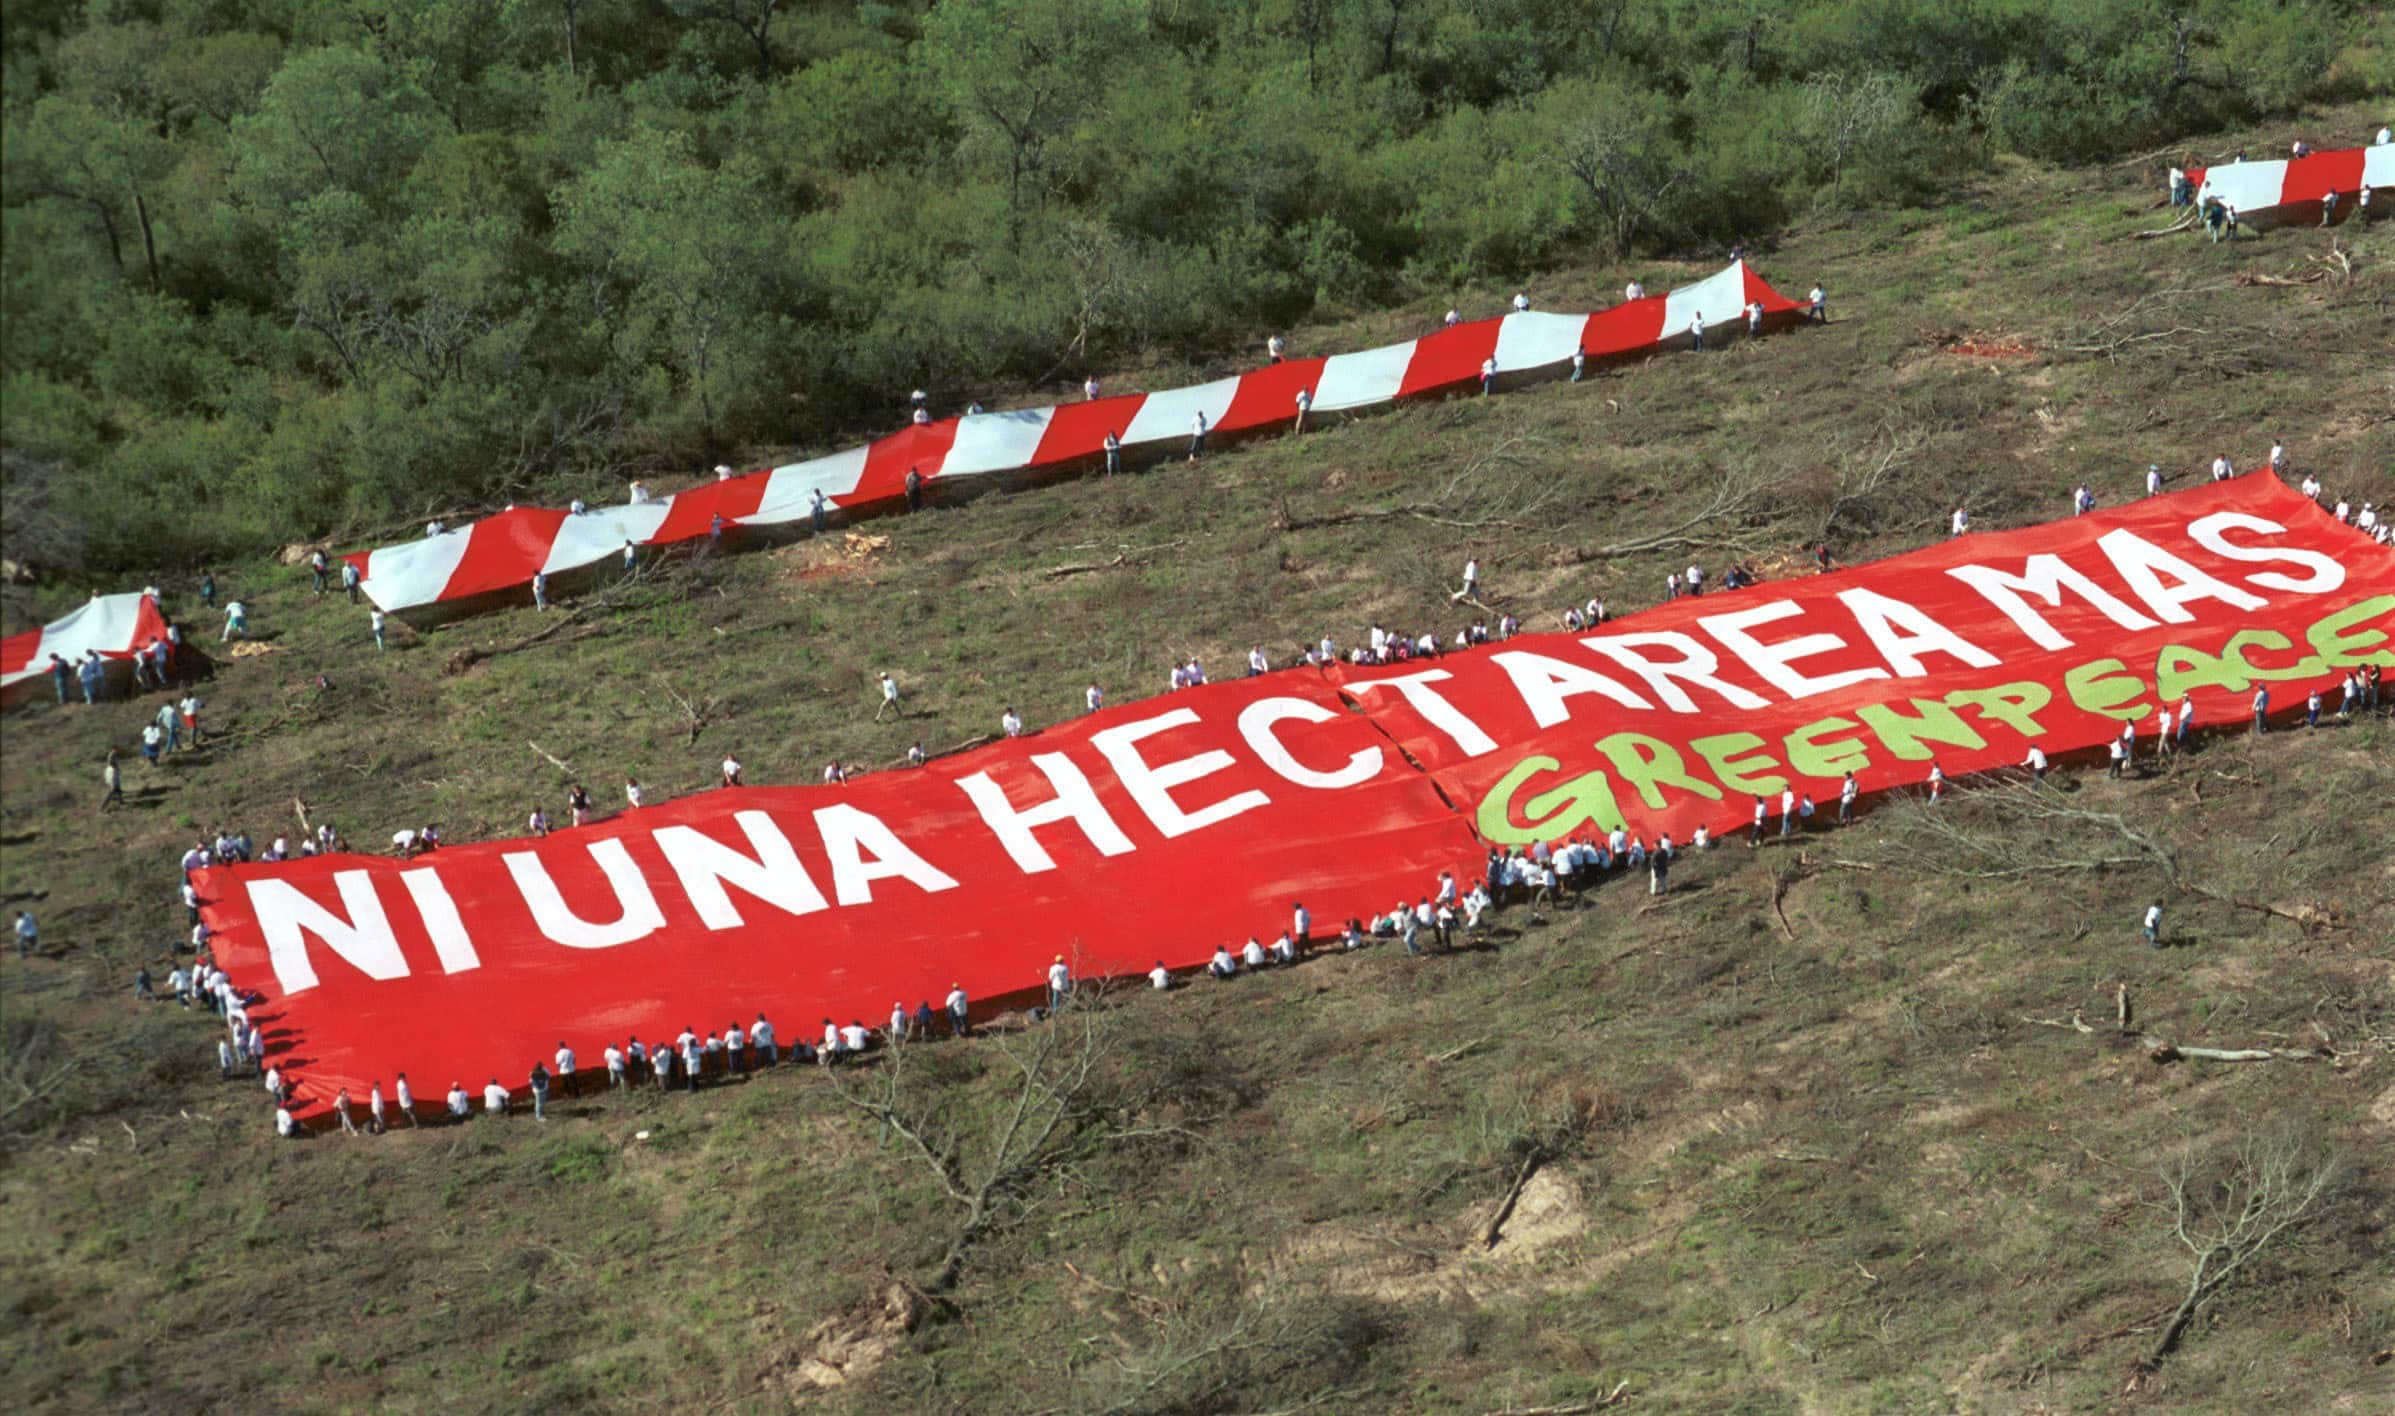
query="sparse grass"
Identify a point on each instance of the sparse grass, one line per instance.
(1846, 1174)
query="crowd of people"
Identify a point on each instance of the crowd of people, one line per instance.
(1539, 877)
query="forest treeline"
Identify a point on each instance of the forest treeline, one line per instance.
(278, 269)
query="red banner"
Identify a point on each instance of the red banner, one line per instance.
(1157, 830)
(1965, 654)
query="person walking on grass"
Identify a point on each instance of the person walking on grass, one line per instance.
(2152, 928)
(114, 777)
(375, 620)
(889, 698)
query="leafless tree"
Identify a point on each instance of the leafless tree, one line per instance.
(2263, 1189)
(1062, 1104)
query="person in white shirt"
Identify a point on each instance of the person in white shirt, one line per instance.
(461, 1105)
(640, 493)
(1937, 783)
(2083, 500)
(1696, 580)
(1848, 790)
(1178, 679)
(1521, 301)
(1961, 521)
(2385, 135)
(1274, 348)
(2344, 511)
(1696, 334)
(1754, 317)
(2278, 456)
(889, 697)
(1160, 977)
(1702, 840)
(1093, 698)
(406, 1099)
(2368, 519)
(632, 792)
(1818, 305)
(1010, 723)
(1197, 674)
(1488, 376)
(494, 1098)
(2186, 716)
(565, 1070)
(1787, 810)
(285, 1124)
(2036, 763)
(1089, 388)
(2161, 729)
(1284, 950)
(2222, 468)
(2153, 479)
(1301, 923)
(1305, 405)
(2152, 927)
(374, 1108)
(1253, 953)
(921, 418)
(614, 1057)
(1471, 591)
(1222, 965)
(1634, 291)
(1060, 985)
(1197, 435)
(2311, 486)
(1256, 662)
(2118, 761)
(1454, 318)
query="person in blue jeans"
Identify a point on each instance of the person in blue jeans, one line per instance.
(62, 676)
(2262, 709)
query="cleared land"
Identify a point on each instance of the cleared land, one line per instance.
(1794, 1139)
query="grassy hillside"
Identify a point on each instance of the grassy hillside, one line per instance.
(1813, 1133)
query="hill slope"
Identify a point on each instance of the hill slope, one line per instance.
(1797, 1137)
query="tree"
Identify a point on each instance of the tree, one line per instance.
(1616, 143)
(2252, 1198)
(693, 246)
(1023, 72)
(1847, 114)
(1059, 1102)
(333, 117)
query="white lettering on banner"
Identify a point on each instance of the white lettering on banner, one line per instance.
(2046, 576)
(1074, 800)
(1881, 617)
(705, 866)
(1544, 683)
(450, 942)
(1151, 785)
(637, 913)
(1775, 662)
(1696, 666)
(1256, 722)
(286, 915)
(862, 849)
(2142, 564)
(2210, 533)
(1435, 709)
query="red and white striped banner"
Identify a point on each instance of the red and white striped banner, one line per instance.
(503, 552)
(2259, 190)
(114, 626)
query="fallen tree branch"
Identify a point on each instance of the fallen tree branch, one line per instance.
(560, 766)
(1505, 1207)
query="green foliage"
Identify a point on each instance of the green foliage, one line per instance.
(376, 260)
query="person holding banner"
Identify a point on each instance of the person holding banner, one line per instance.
(959, 1025)
(2261, 710)
(1060, 984)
